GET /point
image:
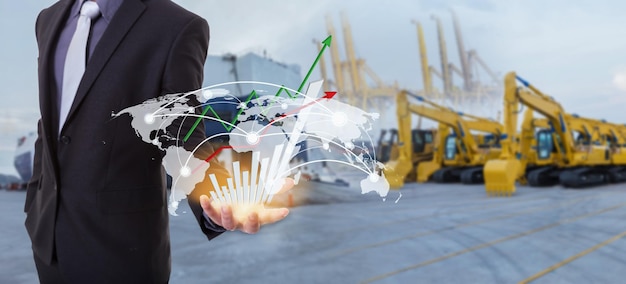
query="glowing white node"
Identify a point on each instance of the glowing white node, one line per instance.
(284, 106)
(349, 145)
(155, 142)
(325, 146)
(207, 94)
(149, 118)
(340, 119)
(374, 177)
(191, 110)
(185, 171)
(252, 138)
(242, 105)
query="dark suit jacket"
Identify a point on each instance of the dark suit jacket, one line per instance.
(97, 200)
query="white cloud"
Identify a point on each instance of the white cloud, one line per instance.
(619, 80)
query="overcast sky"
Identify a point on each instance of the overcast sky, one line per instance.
(573, 50)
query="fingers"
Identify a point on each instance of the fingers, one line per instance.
(288, 183)
(228, 220)
(252, 225)
(249, 221)
(210, 211)
(269, 216)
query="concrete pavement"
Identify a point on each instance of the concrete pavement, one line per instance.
(433, 234)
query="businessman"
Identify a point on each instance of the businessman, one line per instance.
(96, 205)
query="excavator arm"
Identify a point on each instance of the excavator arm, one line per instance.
(501, 174)
(449, 117)
(427, 168)
(396, 170)
(484, 125)
(469, 152)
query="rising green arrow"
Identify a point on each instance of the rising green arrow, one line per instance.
(326, 44)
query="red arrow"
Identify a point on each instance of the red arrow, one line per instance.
(329, 95)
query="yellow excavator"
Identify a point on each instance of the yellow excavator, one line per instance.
(408, 147)
(387, 146)
(576, 162)
(621, 128)
(458, 156)
(609, 135)
(583, 149)
(535, 146)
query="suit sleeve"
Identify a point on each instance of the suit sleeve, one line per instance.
(183, 73)
(33, 183)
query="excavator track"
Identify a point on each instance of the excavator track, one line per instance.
(447, 175)
(583, 177)
(617, 174)
(472, 175)
(545, 176)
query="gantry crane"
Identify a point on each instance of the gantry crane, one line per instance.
(352, 75)
(426, 69)
(472, 90)
(466, 71)
(445, 67)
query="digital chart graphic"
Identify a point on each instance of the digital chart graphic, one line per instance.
(272, 128)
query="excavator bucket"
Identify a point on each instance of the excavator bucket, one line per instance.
(395, 171)
(426, 169)
(500, 176)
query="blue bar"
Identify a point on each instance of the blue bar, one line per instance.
(524, 82)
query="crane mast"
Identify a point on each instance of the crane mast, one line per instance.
(466, 71)
(334, 54)
(428, 83)
(350, 55)
(443, 53)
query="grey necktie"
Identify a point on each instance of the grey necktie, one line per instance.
(76, 59)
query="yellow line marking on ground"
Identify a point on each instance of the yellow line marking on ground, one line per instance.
(488, 244)
(572, 258)
(476, 207)
(421, 234)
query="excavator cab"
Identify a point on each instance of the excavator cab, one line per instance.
(387, 145)
(421, 139)
(451, 150)
(488, 141)
(387, 149)
(582, 139)
(401, 167)
(545, 144)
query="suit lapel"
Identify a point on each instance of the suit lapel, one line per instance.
(48, 43)
(47, 40)
(122, 21)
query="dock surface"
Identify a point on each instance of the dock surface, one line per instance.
(433, 234)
